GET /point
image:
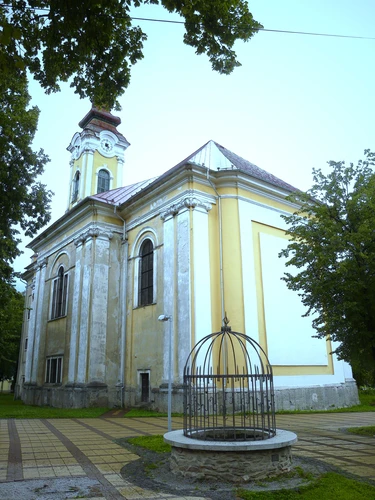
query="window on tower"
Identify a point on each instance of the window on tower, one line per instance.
(75, 190)
(103, 181)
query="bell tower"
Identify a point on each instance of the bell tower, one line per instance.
(97, 159)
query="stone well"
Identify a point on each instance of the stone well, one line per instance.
(229, 413)
(233, 461)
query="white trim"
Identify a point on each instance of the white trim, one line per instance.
(139, 239)
(52, 274)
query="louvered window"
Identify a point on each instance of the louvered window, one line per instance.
(103, 181)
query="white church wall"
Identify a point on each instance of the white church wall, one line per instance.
(289, 334)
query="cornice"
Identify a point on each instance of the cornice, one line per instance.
(189, 198)
(188, 202)
(92, 232)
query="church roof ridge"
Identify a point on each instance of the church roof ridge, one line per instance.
(214, 156)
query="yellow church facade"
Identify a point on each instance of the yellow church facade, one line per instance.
(195, 244)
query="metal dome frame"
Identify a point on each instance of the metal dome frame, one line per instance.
(223, 406)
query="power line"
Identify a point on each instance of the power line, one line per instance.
(307, 33)
(265, 29)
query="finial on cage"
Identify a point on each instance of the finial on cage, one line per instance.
(226, 328)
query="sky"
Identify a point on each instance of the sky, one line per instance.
(296, 102)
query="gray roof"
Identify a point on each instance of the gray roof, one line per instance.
(217, 157)
(211, 155)
(120, 195)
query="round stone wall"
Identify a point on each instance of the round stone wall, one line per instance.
(235, 462)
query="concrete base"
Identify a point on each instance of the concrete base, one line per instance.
(236, 462)
(100, 395)
(71, 395)
(320, 397)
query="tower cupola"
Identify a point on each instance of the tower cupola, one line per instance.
(97, 159)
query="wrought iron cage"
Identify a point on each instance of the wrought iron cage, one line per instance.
(228, 389)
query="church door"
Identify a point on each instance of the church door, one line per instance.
(145, 387)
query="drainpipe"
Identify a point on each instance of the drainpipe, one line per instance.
(223, 312)
(123, 309)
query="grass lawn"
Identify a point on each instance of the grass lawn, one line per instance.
(9, 408)
(363, 431)
(330, 486)
(154, 443)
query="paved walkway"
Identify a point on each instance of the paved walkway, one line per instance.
(77, 458)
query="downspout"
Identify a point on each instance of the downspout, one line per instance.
(123, 309)
(223, 313)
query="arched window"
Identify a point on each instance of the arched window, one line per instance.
(75, 191)
(146, 274)
(103, 181)
(59, 294)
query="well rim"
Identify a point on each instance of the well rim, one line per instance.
(282, 439)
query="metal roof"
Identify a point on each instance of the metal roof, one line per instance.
(120, 195)
(215, 157)
(212, 156)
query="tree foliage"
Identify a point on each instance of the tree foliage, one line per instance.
(11, 315)
(95, 42)
(333, 247)
(24, 202)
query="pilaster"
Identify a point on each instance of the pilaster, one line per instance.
(177, 275)
(76, 312)
(39, 330)
(99, 304)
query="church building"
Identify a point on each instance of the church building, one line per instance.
(197, 243)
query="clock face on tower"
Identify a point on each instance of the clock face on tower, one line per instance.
(106, 145)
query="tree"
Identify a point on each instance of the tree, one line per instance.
(333, 248)
(94, 42)
(10, 332)
(24, 202)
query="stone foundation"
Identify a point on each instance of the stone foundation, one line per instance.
(71, 396)
(88, 395)
(236, 462)
(324, 397)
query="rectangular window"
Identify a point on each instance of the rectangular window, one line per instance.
(54, 370)
(26, 341)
